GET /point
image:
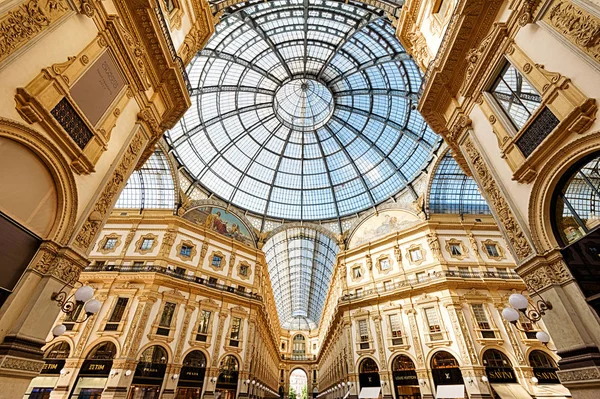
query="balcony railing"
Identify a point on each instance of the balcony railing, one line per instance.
(300, 358)
(171, 273)
(164, 27)
(433, 277)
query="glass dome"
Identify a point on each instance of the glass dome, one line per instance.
(303, 110)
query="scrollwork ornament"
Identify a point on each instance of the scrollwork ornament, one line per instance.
(87, 8)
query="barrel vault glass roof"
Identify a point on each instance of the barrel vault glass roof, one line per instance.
(300, 263)
(452, 191)
(303, 110)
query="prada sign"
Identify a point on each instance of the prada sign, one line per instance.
(53, 366)
(191, 376)
(405, 377)
(546, 376)
(500, 374)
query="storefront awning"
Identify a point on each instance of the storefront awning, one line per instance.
(511, 391)
(369, 393)
(554, 391)
(450, 392)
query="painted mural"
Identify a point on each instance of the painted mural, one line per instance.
(381, 225)
(221, 221)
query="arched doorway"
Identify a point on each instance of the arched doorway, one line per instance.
(299, 347)
(544, 367)
(228, 378)
(368, 374)
(501, 376)
(54, 361)
(406, 383)
(191, 377)
(576, 222)
(94, 372)
(298, 384)
(447, 377)
(149, 373)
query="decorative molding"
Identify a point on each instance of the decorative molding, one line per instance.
(140, 242)
(362, 272)
(434, 245)
(21, 364)
(463, 249)
(543, 274)
(248, 273)
(381, 258)
(221, 264)
(578, 26)
(107, 198)
(590, 373)
(187, 243)
(496, 199)
(415, 248)
(499, 248)
(104, 240)
(27, 21)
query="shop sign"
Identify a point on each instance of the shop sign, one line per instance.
(499, 375)
(96, 367)
(546, 376)
(150, 370)
(405, 377)
(447, 376)
(53, 366)
(195, 374)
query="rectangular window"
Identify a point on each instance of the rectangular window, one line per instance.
(455, 250)
(216, 261)
(421, 276)
(396, 329)
(212, 281)
(117, 314)
(482, 321)
(363, 334)
(464, 272)
(530, 330)
(415, 255)
(517, 98)
(357, 272)
(147, 244)
(387, 285)
(186, 251)
(100, 263)
(434, 324)
(169, 5)
(241, 288)
(73, 317)
(244, 269)
(236, 332)
(138, 264)
(384, 264)
(358, 291)
(110, 243)
(203, 325)
(492, 250)
(180, 271)
(164, 326)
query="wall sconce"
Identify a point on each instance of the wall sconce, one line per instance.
(174, 377)
(247, 382)
(68, 304)
(253, 382)
(469, 380)
(383, 383)
(520, 306)
(422, 382)
(113, 373)
(484, 378)
(534, 380)
(213, 379)
(64, 372)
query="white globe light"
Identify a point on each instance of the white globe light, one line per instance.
(542, 336)
(59, 330)
(518, 301)
(510, 314)
(534, 380)
(484, 378)
(84, 294)
(92, 306)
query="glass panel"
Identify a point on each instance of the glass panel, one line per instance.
(167, 314)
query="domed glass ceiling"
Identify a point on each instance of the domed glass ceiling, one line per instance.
(302, 110)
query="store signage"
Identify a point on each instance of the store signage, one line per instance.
(447, 376)
(96, 367)
(150, 370)
(546, 376)
(53, 366)
(405, 377)
(500, 374)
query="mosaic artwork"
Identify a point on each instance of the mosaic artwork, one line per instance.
(382, 224)
(221, 221)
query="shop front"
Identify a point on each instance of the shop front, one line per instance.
(447, 377)
(502, 377)
(406, 383)
(149, 374)
(191, 377)
(544, 370)
(227, 381)
(94, 372)
(54, 361)
(368, 377)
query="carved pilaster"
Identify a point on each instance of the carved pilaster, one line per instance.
(182, 335)
(465, 342)
(141, 326)
(412, 321)
(215, 354)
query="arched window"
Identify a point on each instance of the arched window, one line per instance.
(577, 201)
(442, 360)
(154, 354)
(495, 358)
(103, 351)
(59, 350)
(402, 363)
(299, 345)
(195, 359)
(368, 366)
(539, 359)
(229, 363)
(498, 367)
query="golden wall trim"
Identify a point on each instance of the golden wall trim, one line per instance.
(239, 270)
(187, 243)
(102, 243)
(222, 264)
(576, 25)
(496, 199)
(501, 255)
(415, 248)
(140, 241)
(27, 22)
(463, 248)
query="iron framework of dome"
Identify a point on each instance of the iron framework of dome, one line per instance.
(302, 110)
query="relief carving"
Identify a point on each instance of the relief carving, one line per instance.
(488, 184)
(578, 26)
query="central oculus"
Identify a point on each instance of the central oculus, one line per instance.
(303, 104)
